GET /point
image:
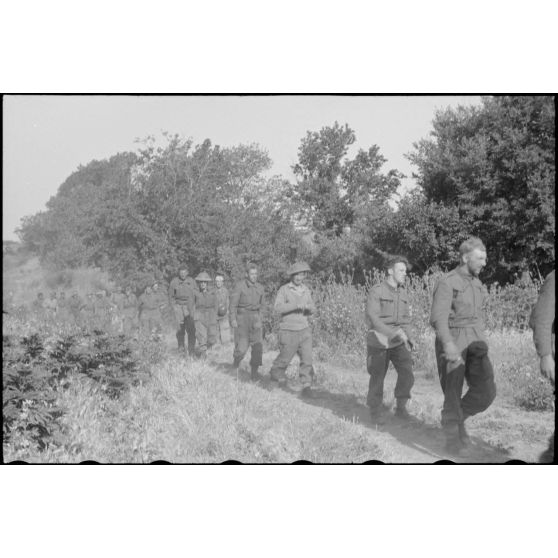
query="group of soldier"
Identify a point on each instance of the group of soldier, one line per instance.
(205, 316)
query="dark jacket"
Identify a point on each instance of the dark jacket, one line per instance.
(542, 318)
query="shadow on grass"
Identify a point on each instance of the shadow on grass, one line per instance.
(420, 437)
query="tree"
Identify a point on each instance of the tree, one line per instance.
(495, 164)
(330, 188)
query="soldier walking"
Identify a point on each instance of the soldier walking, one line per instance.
(150, 311)
(223, 301)
(181, 296)
(294, 303)
(75, 305)
(247, 301)
(542, 323)
(130, 307)
(389, 340)
(461, 346)
(205, 314)
(63, 308)
(51, 305)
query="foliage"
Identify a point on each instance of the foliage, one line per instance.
(495, 166)
(142, 216)
(41, 362)
(332, 189)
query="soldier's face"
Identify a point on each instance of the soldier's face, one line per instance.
(398, 272)
(155, 287)
(252, 275)
(298, 278)
(476, 261)
(219, 282)
(203, 286)
(183, 273)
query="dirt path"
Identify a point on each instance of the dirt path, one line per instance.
(422, 442)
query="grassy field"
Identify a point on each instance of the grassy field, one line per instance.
(193, 412)
(205, 412)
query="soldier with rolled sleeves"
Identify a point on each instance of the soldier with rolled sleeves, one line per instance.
(223, 301)
(181, 296)
(247, 301)
(294, 303)
(388, 340)
(205, 314)
(542, 323)
(461, 346)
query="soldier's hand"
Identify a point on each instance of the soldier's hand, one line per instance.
(452, 354)
(400, 334)
(234, 324)
(547, 367)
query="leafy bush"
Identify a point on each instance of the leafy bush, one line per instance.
(42, 361)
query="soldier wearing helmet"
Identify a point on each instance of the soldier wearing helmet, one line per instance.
(294, 303)
(247, 302)
(205, 314)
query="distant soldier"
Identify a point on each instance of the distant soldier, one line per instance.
(117, 301)
(88, 310)
(389, 340)
(38, 305)
(162, 301)
(150, 313)
(247, 301)
(181, 296)
(461, 346)
(102, 310)
(129, 311)
(294, 304)
(205, 314)
(63, 313)
(75, 305)
(542, 323)
(223, 301)
(51, 305)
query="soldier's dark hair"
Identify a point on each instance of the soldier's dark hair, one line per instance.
(219, 274)
(472, 243)
(251, 265)
(392, 260)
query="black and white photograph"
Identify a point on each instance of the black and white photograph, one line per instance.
(278, 278)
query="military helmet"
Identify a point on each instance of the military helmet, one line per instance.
(298, 268)
(203, 276)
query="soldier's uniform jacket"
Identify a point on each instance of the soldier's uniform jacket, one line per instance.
(222, 301)
(387, 309)
(183, 292)
(542, 318)
(206, 307)
(75, 304)
(130, 304)
(246, 297)
(289, 299)
(458, 302)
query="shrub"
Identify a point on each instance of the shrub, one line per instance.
(42, 359)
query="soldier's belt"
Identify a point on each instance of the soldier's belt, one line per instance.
(457, 324)
(245, 310)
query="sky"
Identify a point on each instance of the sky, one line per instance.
(46, 138)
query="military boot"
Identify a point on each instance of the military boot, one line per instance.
(454, 445)
(236, 363)
(401, 411)
(254, 376)
(464, 435)
(378, 414)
